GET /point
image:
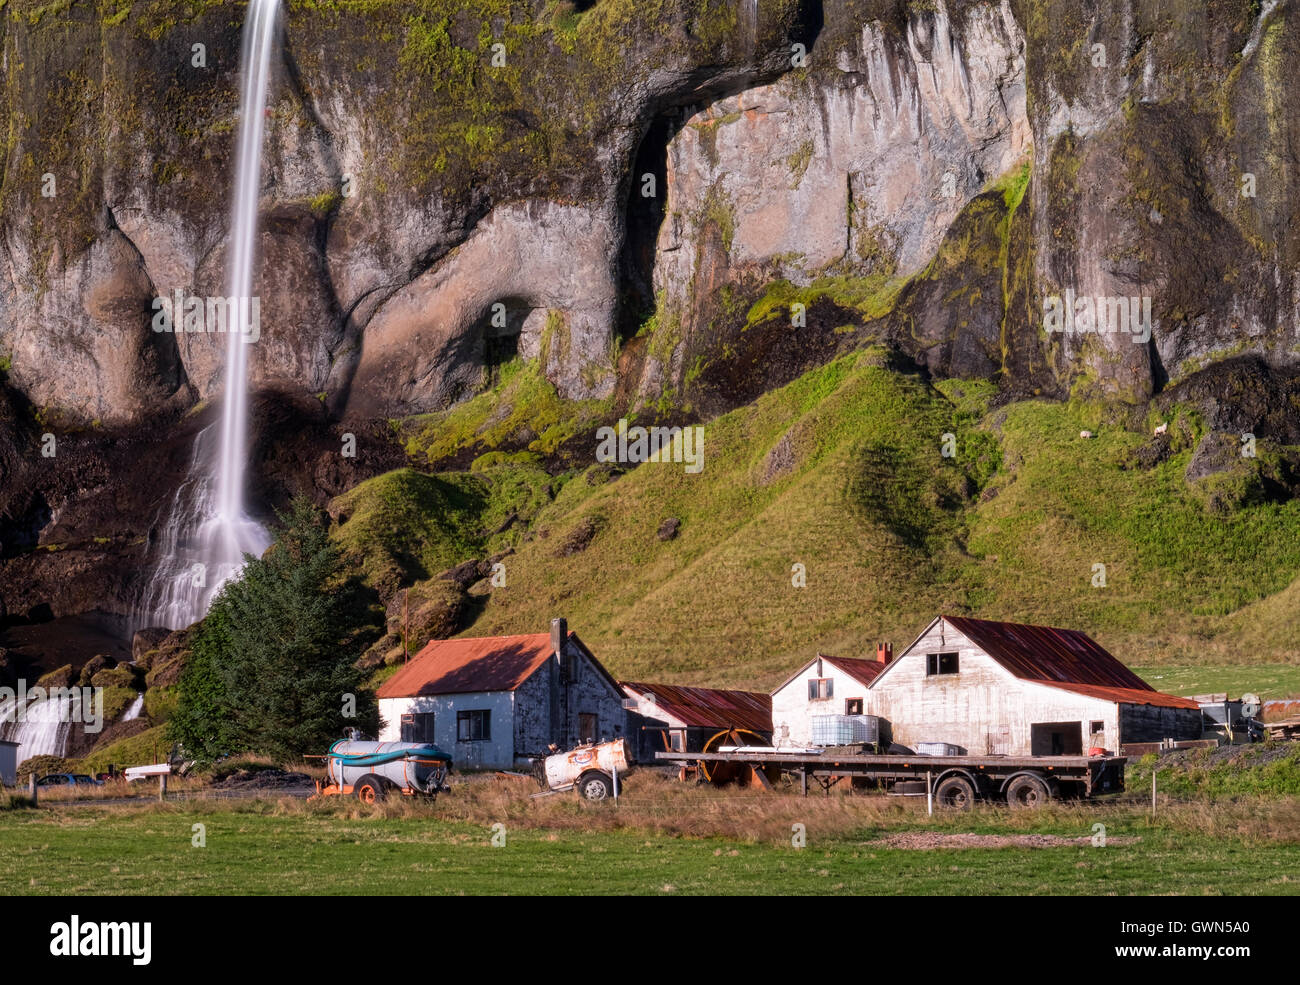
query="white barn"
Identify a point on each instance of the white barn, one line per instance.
(824, 685)
(994, 688)
(492, 703)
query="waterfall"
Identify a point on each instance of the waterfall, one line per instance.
(208, 530)
(43, 730)
(133, 712)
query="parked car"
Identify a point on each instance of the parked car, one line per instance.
(68, 780)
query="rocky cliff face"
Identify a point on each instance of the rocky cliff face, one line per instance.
(429, 162)
(678, 203)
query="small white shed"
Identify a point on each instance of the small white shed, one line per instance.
(8, 763)
(824, 685)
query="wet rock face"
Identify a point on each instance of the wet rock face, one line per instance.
(854, 167)
(1157, 173)
(411, 186)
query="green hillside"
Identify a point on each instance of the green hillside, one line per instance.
(842, 472)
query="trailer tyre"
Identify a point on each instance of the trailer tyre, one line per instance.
(595, 786)
(370, 789)
(1026, 792)
(955, 793)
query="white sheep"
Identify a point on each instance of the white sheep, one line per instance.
(1085, 434)
(1163, 428)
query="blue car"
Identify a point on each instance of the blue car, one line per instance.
(68, 780)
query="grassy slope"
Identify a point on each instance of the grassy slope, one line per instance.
(1183, 585)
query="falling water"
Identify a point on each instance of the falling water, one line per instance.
(43, 730)
(133, 712)
(209, 531)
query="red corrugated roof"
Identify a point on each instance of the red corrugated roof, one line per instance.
(1043, 653)
(706, 707)
(862, 671)
(493, 663)
(1126, 695)
(1062, 658)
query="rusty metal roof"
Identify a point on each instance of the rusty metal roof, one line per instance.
(1125, 695)
(1062, 658)
(493, 663)
(706, 707)
(1043, 653)
(861, 670)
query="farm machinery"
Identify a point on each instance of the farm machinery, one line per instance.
(373, 770)
(592, 769)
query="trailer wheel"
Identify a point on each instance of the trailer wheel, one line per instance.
(1028, 791)
(595, 786)
(370, 789)
(955, 793)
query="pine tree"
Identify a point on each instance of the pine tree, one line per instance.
(274, 665)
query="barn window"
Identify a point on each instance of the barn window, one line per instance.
(417, 727)
(676, 740)
(473, 726)
(940, 663)
(820, 688)
(586, 727)
(853, 706)
(1098, 728)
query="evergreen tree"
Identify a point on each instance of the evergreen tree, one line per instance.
(273, 668)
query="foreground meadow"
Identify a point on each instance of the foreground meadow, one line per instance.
(661, 838)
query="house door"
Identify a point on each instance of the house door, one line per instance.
(586, 728)
(1056, 739)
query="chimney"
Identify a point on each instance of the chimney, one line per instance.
(884, 652)
(559, 635)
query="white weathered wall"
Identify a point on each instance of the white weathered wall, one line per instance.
(495, 753)
(792, 712)
(983, 708)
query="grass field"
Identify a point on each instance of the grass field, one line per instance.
(661, 839)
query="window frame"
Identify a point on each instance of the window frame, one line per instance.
(934, 664)
(815, 688)
(467, 717)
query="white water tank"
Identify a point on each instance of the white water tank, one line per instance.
(8, 763)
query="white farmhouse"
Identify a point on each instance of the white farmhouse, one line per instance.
(995, 688)
(492, 703)
(823, 686)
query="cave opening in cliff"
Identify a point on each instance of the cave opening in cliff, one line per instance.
(500, 328)
(646, 207)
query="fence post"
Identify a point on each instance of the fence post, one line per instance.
(162, 786)
(929, 794)
(1153, 792)
(31, 787)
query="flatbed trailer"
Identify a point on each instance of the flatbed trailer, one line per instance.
(954, 781)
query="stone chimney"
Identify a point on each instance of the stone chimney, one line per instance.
(884, 652)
